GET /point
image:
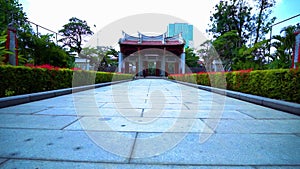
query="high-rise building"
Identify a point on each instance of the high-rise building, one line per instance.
(185, 29)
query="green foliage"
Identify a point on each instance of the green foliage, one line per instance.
(208, 53)
(47, 52)
(16, 80)
(282, 57)
(226, 45)
(3, 50)
(281, 84)
(73, 33)
(231, 15)
(11, 12)
(42, 50)
(100, 57)
(33, 48)
(262, 23)
(236, 26)
(112, 52)
(246, 59)
(238, 15)
(191, 60)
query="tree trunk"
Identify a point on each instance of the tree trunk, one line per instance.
(259, 21)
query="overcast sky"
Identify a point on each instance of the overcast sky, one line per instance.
(53, 14)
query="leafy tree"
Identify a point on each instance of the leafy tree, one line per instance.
(232, 15)
(3, 50)
(208, 54)
(191, 60)
(11, 12)
(112, 53)
(282, 57)
(247, 60)
(33, 47)
(100, 57)
(240, 16)
(262, 22)
(234, 24)
(73, 33)
(227, 46)
(45, 51)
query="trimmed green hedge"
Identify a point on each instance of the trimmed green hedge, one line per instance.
(281, 84)
(16, 80)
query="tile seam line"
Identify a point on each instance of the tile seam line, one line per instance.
(213, 130)
(61, 160)
(246, 114)
(156, 132)
(133, 147)
(3, 162)
(63, 128)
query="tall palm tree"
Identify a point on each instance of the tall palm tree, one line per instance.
(284, 46)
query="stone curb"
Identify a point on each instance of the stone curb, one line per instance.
(290, 107)
(26, 98)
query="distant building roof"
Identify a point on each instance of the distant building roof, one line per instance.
(81, 60)
(151, 40)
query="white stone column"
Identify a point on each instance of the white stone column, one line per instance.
(140, 69)
(163, 64)
(182, 62)
(120, 64)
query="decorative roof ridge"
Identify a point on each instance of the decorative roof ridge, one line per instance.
(142, 38)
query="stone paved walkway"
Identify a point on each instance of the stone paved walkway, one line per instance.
(147, 123)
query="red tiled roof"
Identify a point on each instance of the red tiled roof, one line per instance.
(130, 42)
(142, 39)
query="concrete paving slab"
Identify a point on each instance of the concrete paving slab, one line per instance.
(58, 111)
(226, 114)
(139, 124)
(126, 106)
(46, 134)
(246, 107)
(82, 110)
(278, 167)
(254, 126)
(111, 112)
(24, 164)
(267, 113)
(147, 106)
(58, 145)
(35, 121)
(53, 103)
(225, 149)
(24, 109)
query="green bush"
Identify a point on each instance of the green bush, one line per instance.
(16, 80)
(281, 84)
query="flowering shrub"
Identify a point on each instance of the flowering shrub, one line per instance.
(280, 84)
(45, 66)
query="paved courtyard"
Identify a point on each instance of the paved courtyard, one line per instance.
(147, 123)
